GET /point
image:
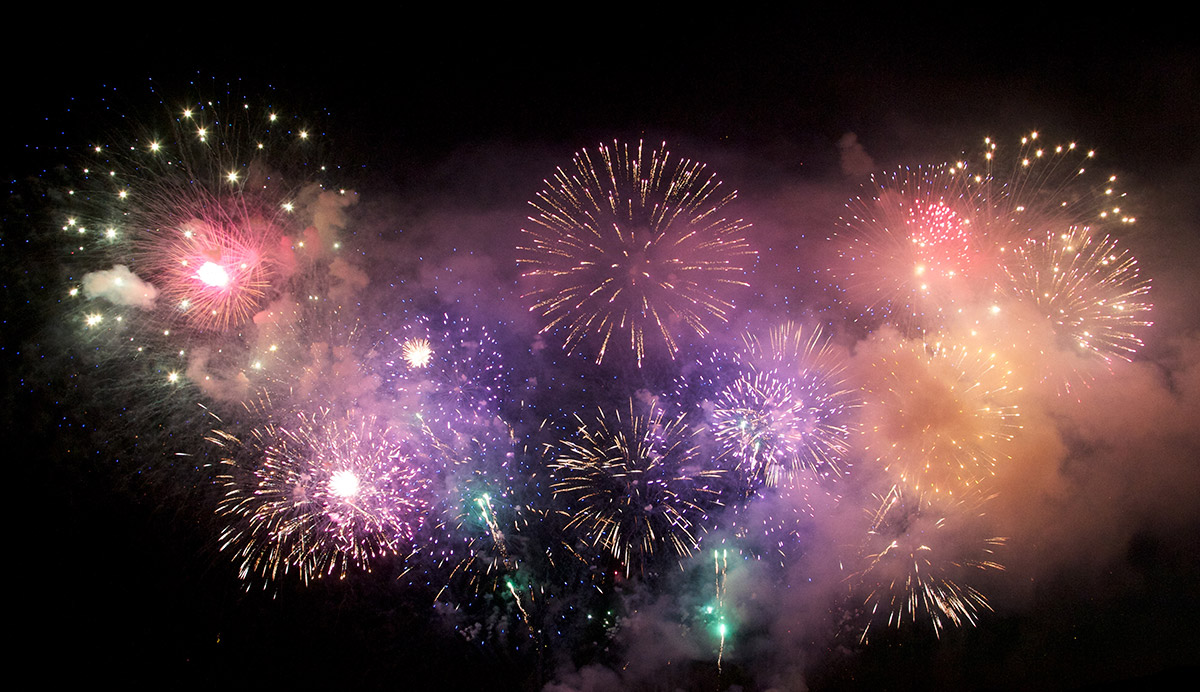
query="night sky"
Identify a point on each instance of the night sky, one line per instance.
(446, 136)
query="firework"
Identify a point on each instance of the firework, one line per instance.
(445, 371)
(790, 409)
(318, 494)
(939, 416)
(715, 612)
(636, 486)
(929, 242)
(1027, 191)
(629, 245)
(416, 352)
(201, 211)
(197, 233)
(913, 562)
(1089, 291)
(476, 509)
(907, 249)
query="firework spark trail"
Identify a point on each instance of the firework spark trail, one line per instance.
(720, 568)
(1033, 189)
(319, 494)
(634, 246)
(476, 490)
(488, 514)
(913, 562)
(636, 485)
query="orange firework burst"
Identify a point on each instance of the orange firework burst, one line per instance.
(938, 416)
(1090, 292)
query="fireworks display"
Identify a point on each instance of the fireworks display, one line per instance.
(627, 432)
(630, 246)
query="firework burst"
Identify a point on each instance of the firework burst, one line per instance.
(196, 232)
(202, 211)
(1089, 291)
(938, 416)
(631, 244)
(914, 562)
(906, 250)
(790, 409)
(318, 494)
(446, 371)
(1032, 189)
(636, 485)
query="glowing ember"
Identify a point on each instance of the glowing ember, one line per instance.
(213, 274)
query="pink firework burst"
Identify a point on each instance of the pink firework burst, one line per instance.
(907, 250)
(215, 272)
(317, 493)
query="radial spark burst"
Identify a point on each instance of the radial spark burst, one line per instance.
(318, 494)
(635, 485)
(189, 234)
(790, 409)
(416, 352)
(939, 417)
(915, 556)
(202, 208)
(1090, 291)
(907, 249)
(630, 244)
